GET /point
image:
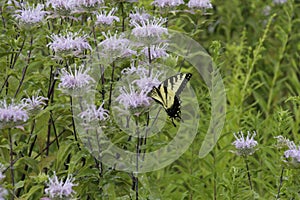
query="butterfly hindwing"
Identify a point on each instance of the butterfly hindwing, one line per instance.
(167, 94)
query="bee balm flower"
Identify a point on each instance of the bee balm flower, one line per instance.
(244, 146)
(12, 114)
(107, 18)
(69, 44)
(200, 4)
(167, 3)
(74, 82)
(61, 189)
(29, 16)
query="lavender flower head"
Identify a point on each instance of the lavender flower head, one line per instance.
(167, 3)
(282, 141)
(138, 16)
(60, 189)
(12, 114)
(115, 46)
(92, 113)
(146, 82)
(107, 18)
(69, 44)
(245, 146)
(279, 1)
(133, 69)
(62, 7)
(293, 152)
(75, 82)
(34, 103)
(156, 51)
(29, 16)
(150, 30)
(89, 4)
(200, 4)
(133, 99)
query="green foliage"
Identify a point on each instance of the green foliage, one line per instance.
(258, 57)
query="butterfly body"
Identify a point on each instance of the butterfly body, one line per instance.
(167, 94)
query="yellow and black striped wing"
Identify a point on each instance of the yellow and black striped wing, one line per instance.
(167, 94)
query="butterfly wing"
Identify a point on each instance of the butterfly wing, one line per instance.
(167, 94)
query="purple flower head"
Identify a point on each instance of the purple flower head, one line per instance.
(199, 4)
(62, 7)
(61, 189)
(282, 141)
(92, 113)
(88, 5)
(146, 82)
(156, 51)
(244, 146)
(69, 44)
(12, 114)
(150, 29)
(115, 46)
(29, 16)
(133, 99)
(74, 82)
(138, 16)
(107, 18)
(132, 69)
(167, 3)
(279, 1)
(34, 103)
(293, 152)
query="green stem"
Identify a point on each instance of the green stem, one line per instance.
(13, 61)
(111, 83)
(286, 37)
(11, 161)
(256, 57)
(248, 173)
(25, 68)
(280, 183)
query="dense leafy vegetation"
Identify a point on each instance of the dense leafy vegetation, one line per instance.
(255, 47)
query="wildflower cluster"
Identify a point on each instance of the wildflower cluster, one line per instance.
(59, 188)
(156, 51)
(133, 99)
(69, 44)
(293, 152)
(245, 146)
(34, 103)
(146, 82)
(29, 16)
(107, 18)
(116, 46)
(200, 4)
(139, 15)
(62, 7)
(79, 79)
(92, 113)
(12, 113)
(167, 3)
(149, 29)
